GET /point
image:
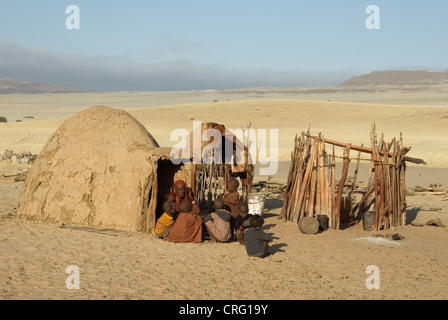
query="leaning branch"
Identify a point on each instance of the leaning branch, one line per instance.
(367, 150)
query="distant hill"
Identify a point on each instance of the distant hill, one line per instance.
(9, 86)
(398, 78)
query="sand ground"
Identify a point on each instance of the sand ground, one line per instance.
(330, 265)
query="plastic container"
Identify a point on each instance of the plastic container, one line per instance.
(255, 203)
(368, 220)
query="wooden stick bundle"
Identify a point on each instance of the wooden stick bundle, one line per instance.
(311, 186)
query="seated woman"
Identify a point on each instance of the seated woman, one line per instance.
(188, 226)
(182, 194)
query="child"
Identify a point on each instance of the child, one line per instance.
(231, 199)
(188, 226)
(218, 223)
(166, 221)
(242, 221)
(255, 238)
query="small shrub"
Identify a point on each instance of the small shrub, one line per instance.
(29, 117)
(3, 119)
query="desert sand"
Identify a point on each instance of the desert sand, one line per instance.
(115, 264)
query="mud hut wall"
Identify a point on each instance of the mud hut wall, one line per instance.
(82, 172)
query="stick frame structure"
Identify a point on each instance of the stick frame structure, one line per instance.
(312, 188)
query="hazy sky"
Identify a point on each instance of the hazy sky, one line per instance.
(216, 44)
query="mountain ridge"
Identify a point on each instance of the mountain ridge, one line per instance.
(11, 86)
(387, 80)
(398, 78)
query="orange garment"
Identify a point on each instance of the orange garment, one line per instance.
(187, 228)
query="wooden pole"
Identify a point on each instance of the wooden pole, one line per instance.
(397, 186)
(370, 182)
(367, 150)
(355, 178)
(382, 184)
(376, 179)
(376, 195)
(341, 184)
(364, 197)
(402, 184)
(286, 198)
(333, 190)
(303, 204)
(323, 201)
(388, 188)
(313, 186)
(297, 215)
(394, 212)
(297, 182)
(328, 194)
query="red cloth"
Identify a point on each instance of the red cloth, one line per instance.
(187, 228)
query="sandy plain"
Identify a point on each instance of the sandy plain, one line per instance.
(330, 265)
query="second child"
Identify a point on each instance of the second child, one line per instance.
(256, 239)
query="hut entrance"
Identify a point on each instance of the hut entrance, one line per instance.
(166, 172)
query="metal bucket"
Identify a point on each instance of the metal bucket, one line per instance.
(368, 220)
(255, 203)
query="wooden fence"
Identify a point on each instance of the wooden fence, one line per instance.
(312, 188)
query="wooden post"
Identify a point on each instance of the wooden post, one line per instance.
(355, 178)
(297, 182)
(332, 190)
(341, 186)
(370, 182)
(313, 186)
(363, 199)
(368, 150)
(394, 212)
(387, 188)
(376, 182)
(402, 184)
(306, 177)
(328, 194)
(322, 187)
(376, 195)
(286, 197)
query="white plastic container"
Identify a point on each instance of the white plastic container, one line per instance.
(255, 203)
